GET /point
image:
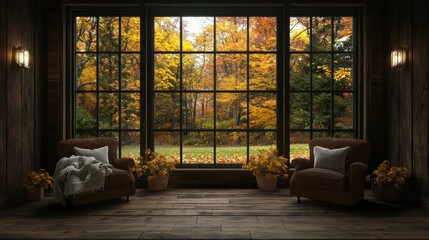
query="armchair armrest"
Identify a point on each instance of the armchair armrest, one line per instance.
(301, 163)
(124, 163)
(356, 178)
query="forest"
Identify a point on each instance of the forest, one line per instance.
(215, 83)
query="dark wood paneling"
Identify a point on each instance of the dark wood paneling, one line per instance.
(14, 109)
(404, 81)
(54, 85)
(3, 97)
(27, 139)
(420, 94)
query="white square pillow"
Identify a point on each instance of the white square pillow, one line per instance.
(100, 154)
(334, 159)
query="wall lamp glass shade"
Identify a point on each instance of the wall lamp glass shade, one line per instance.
(22, 57)
(398, 58)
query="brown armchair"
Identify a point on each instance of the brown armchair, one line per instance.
(329, 185)
(120, 183)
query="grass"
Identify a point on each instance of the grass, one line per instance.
(204, 155)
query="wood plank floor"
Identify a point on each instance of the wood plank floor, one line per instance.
(214, 214)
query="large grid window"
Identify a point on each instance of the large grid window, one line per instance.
(107, 77)
(215, 87)
(322, 79)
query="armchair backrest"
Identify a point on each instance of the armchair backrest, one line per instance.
(65, 147)
(360, 150)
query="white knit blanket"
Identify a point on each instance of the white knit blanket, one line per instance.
(78, 175)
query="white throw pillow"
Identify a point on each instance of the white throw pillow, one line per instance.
(100, 154)
(334, 159)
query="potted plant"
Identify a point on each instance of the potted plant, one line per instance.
(156, 168)
(267, 166)
(388, 181)
(36, 182)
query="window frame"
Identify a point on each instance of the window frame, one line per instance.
(358, 84)
(219, 12)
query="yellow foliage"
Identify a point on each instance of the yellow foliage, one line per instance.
(36, 179)
(268, 163)
(153, 164)
(387, 174)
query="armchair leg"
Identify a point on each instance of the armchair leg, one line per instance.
(128, 198)
(298, 199)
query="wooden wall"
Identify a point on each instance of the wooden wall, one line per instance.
(20, 94)
(407, 98)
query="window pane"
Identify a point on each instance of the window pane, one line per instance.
(343, 134)
(343, 71)
(299, 145)
(108, 30)
(343, 33)
(198, 148)
(108, 71)
(263, 111)
(86, 34)
(167, 111)
(321, 134)
(299, 110)
(108, 111)
(299, 33)
(231, 147)
(300, 71)
(167, 33)
(86, 134)
(197, 71)
(167, 71)
(198, 111)
(109, 134)
(130, 34)
(263, 33)
(322, 71)
(86, 110)
(231, 72)
(231, 110)
(261, 140)
(321, 111)
(130, 71)
(262, 72)
(321, 33)
(86, 72)
(343, 111)
(168, 144)
(130, 106)
(231, 33)
(130, 144)
(198, 33)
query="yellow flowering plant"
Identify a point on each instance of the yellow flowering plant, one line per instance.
(36, 179)
(152, 164)
(386, 174)
(267, 163)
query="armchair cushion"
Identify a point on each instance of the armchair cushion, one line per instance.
(321, 178)
(334, 159)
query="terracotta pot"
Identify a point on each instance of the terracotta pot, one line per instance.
(158, 183)
(265, 183)
(36, 195)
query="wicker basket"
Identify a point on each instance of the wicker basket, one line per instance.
(158, 183)
(266, 184)
(36, 195)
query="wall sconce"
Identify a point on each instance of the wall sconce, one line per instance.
(398, 58)
(22, 57)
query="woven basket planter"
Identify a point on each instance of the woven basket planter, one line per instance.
(266, 184)
(158, 183)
